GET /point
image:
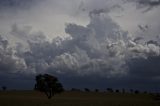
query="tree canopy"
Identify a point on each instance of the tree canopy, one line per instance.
(48, 84)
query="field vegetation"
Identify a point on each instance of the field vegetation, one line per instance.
(76, 98)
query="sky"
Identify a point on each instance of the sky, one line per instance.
(85, 43)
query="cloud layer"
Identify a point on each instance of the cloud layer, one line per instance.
(101, 48)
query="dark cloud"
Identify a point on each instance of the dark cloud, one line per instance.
(143, 27)
(16, 4)
(146, 68)
(101, 48)
(149, 2)
(146, 3)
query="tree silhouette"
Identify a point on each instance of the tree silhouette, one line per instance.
(110, 90)
(136, 92)
(145, 92)
(48, 84)
(75, 89)
(96, 90)
(117, 91)
(86, 89)
(4, 88)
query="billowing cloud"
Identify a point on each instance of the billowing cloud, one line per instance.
(9, 62)
(101, 48)
(26, 34)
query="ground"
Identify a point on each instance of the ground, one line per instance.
(33, 98)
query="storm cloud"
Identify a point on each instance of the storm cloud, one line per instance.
(100, 49)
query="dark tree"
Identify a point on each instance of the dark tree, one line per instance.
(96, 90)
(156, 96)
(4, 88)
(136, 92)
(48, 84)
(145, 92)
(110, 90)
(75, 89)
(117, 91)
(86, 89)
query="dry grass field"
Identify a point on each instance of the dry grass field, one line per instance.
(33, 98)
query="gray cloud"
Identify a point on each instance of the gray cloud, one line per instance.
(101, 48)
(26, 34)
(9, 62)
(143, 28)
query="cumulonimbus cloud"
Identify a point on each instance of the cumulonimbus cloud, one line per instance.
(101, 48)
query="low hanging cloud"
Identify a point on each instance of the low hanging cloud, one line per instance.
(101, 49)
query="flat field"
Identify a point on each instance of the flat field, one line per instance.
(33, 98)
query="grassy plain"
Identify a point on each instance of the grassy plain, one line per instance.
(33, 98)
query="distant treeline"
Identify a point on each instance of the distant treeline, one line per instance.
(107, 90)
(111, 90)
